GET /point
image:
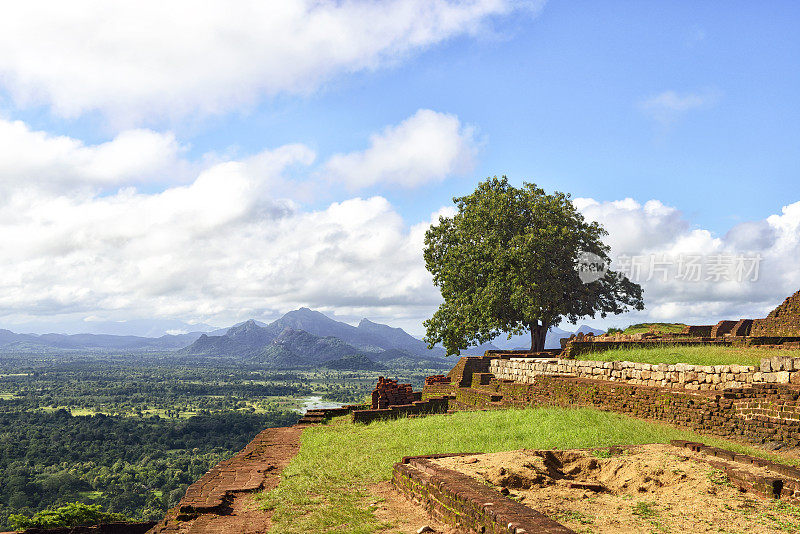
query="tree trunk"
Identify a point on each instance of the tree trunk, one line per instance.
(538, 335)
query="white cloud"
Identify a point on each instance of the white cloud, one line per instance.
(426, 147)
(227, 241)
(667, 107)
(652, 232)
(37, 159)
(217, 250)
(145, 59)
(226, 245)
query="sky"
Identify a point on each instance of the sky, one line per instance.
(166, 166)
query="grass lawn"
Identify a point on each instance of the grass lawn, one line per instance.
(702, 355)
(324, 487)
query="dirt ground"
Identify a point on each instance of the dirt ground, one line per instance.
(405, 516)
(650, 488)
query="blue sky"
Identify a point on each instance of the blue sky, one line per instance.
(691, 105)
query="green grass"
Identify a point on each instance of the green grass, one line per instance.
(644, 509)
(324, 487)
(700, 355)
(664, 328)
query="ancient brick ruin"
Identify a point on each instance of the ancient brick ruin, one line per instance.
(437, 379)
(780, 329)
(389, 393)
(757, 404)
(475, 506)
(783, 321)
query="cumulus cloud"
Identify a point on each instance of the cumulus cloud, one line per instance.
(227, 244)
(36, 158)
(669, 106)
(216, 250)
(144, 59)
(689, 274)
(80, 237)
(426, 147)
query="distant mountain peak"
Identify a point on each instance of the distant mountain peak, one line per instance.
(372, 325)
(310, 336)
(247, 326)
(307, 312)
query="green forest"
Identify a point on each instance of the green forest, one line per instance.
(130, 432)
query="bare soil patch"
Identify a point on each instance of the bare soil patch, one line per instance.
(405, 516)
(649, 488)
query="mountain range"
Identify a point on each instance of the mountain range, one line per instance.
(12, 342)
(301, 338)
(308, 338)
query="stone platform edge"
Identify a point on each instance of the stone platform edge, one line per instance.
(784, 485)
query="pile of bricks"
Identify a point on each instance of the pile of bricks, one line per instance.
(437, 379)
(389, 393)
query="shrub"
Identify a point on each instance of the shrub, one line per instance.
(71, 515)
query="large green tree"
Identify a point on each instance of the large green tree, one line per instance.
(507, 262)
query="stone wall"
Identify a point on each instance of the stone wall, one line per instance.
(776, 370)
(783, 321)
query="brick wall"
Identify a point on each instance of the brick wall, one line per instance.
(465, 503)
(698, 331)
(742, 328)
(417, 407)
(461, 373)
(760, 413)
(722, 328)
(783, 321)
(765, 408)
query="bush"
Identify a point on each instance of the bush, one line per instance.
(71, 515)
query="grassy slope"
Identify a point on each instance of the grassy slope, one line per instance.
(703, 355)
(323, 489)
(665, 328)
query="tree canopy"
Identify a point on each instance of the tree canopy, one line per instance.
(506, 262)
